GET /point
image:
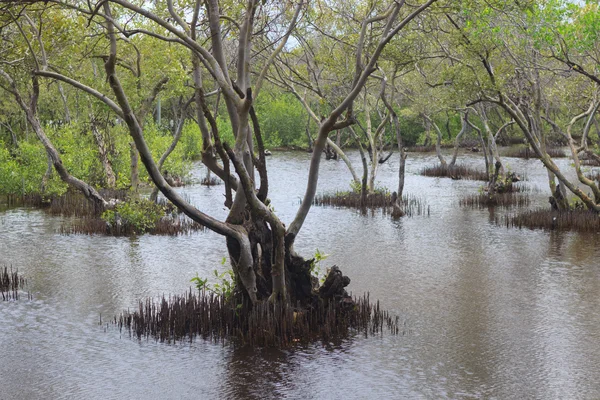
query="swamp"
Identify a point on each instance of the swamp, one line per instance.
(299, 199)
(485, 311)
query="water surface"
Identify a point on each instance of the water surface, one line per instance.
(488, 312)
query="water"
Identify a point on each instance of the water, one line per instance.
(487, 312)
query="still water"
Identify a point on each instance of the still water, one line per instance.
(488, 312)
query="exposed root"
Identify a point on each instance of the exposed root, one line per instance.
(568, 220)
(11, 283)
(456, 172)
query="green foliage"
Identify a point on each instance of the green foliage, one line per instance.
(79, 152)
(191, 141)
(201, 284)
(315, 266)
(282, 120)
(356, 188)
(225, 130)
(159, 141)
(10, 177)
(22, 170)
(141, 215)
(224, 284)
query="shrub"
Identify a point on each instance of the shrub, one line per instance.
(139, 215)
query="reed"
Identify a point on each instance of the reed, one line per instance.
(212, 317)
(455, 172)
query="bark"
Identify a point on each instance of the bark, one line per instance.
(47, 175)
(508, 106)
(458, 138)
(340, 153)
(134, 157)
(493, 149)
(363, 159)
(494, 179)
(438, 142)
(575, 154)
(65, 104)
(172, 146)
(483, 147)
(109, 174)
(237, 236)
(308, 137)
(330, 123)
(398, 204)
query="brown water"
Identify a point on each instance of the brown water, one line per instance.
(488, 312)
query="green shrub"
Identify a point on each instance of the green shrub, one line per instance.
(191, 141)
(139, 215)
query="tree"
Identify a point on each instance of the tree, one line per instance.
(260, 246)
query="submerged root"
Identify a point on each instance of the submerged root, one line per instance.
(211, 181)
(167, 226)
(505, 200)
(409, 206)
(212, 317)
(331, 316)
(567, 220)
(11, 283)
(456, 172)
(527, 153)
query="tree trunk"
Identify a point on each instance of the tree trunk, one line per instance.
(463, 130)
(397, 204)
(363, 158)
(47, 174)
(65, 103)
(343, 156)
(438, 143)
(109, 174)
(308, 137)
(134, 164)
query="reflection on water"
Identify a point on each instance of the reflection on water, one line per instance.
(488, 312)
